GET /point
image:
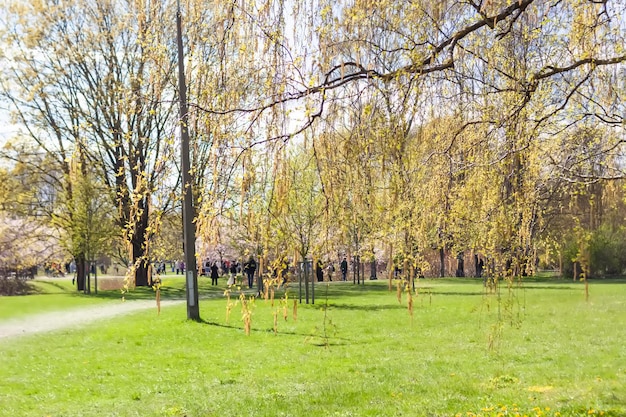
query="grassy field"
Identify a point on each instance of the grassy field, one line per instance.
(48, 295)
(52, 294)
(540, 350)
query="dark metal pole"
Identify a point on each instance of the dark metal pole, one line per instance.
(300, 269)
(314, 275)
(191, 274)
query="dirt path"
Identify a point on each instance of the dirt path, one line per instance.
(57, 320)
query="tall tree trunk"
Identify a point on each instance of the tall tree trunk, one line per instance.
(476, 266)
(442, 266)
(81, 266)
(460, 266)
(139, 240)
(141, 266)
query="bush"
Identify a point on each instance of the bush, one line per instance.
(607, 251)
(13, 286)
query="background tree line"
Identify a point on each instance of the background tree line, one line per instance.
(381, 129)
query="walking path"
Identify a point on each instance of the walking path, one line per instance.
(57, 320)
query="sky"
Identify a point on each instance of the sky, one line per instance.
(7, 130)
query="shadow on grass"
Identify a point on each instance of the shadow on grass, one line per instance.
(375, 307)
(139, 293)
(457, 293)
(39, 290)
(279, 333)
(569, 281)
(547, 287)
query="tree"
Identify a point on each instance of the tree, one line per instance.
(296, 208)
(451, 116)
(98, 75)
(86, 221)
(26, 239)
(517, 81)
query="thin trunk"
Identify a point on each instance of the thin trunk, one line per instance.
(306, 278)
(442, 260)
(390, 266)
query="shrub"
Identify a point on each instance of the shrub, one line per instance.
(13, 286)
(607, 252)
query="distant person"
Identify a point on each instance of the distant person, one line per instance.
(373, 270)
(319, 271)
(233, 273)
(344, 269)
(249, 268)
(215, 273)
(330, 268)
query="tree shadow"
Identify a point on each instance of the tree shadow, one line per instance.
(278, 333)
(547, 287)
(38, 290)
(374, 307)
(148, 293)
(459, 293)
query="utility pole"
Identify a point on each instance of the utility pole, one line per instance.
(189, 231)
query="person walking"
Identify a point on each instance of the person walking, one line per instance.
(319, 271)
(215, 273)
(249, 268)
(344, 269)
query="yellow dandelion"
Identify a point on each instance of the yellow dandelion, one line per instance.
(536, 388)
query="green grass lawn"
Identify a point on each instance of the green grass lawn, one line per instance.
(539, 351)
(60, 294)
(48, 295)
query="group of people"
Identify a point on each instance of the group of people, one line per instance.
(330, 269)
(232, 268)
(179, 266)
